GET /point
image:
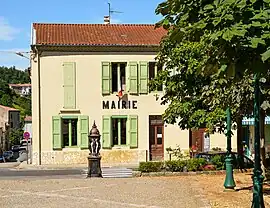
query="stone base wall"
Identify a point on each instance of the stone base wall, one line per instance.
(129, 156)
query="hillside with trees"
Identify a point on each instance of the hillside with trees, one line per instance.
(7, 96)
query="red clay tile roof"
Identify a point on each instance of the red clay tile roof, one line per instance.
(20, 85)
(8, 108)
(28, 118)
(98, 34)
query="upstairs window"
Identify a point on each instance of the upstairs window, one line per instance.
(154, 69)
(135, 75)
(118, 77)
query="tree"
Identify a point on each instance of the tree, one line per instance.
(15, 136)
(226, 33)
(8, 97)
(13, 75)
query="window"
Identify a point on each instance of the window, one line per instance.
(69, 132)
(119, 131)
(154, 68)
(139, 73)
(118, 77)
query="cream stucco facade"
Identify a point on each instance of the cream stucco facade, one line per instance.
(89, 101)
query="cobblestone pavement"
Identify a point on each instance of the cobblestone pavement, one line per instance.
(80, 192)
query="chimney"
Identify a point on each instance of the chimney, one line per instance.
(106, 19)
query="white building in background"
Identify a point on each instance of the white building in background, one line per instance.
(21, 89)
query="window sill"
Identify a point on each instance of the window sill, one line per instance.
(116, 147)
(68, 148)
(155, 92)
(70, 110)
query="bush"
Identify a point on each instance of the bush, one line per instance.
(218, 161)
(150, 166)
(196, 164)
(175, 165)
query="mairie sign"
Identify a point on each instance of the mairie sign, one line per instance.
(121, 104)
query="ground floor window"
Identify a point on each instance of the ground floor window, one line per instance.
(119, 131)
(69, 131)
(119, 127)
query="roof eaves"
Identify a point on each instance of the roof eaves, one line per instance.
(100, 45)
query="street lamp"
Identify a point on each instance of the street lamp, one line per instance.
(19, 53)
(229, 183)
(257, 201)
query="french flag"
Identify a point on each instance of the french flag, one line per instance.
(120, 90)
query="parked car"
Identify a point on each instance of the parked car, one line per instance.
(15, 148)
(7, 155)
(248, 163)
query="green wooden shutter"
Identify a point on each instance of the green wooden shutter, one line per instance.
(106, 132)
(57, 132)
(133, 131)
(69, 85)
(133, 77)
(83, 131)
(106, 78)
(143, 74)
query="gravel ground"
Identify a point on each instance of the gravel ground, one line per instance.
(156, 192)
(197, 191)
(242, 198)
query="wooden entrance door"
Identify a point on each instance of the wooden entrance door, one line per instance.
(197, 139)
(156, 138)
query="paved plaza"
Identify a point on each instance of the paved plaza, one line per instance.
(77, 191)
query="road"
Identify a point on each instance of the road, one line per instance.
(17, 173)
(77, 191)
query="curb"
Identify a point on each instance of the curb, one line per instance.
(10, 164)
(164, 173)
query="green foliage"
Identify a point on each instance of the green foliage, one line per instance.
(13, 75)
(177, 152)
(175, 165)
(211, 52)
(218, 161)
(15, 136)
(8, 97)
(150, 166)
(23, 103)
(195, 164)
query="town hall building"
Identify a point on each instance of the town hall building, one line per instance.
(83, 73)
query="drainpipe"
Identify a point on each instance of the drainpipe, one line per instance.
(39, 111)
(38, 54)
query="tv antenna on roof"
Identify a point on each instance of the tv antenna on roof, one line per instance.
(107, 19)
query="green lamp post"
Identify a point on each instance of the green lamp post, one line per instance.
(257, 201)
(229, 183)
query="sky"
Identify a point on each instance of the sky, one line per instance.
(17, 16)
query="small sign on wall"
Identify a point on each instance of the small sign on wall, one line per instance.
(206, 142)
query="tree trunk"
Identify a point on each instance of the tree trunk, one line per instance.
(262, 137)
